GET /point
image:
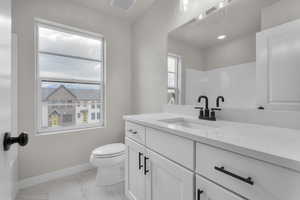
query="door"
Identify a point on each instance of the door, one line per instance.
(206, 190)
(166, 180)
(7, 158)
(134, 174)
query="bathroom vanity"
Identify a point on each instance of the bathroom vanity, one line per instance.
(177, 157)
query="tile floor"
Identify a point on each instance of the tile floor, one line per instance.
(77, 187)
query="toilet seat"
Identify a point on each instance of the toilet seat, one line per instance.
(109, 151)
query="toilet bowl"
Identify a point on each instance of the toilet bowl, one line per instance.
(109, 161)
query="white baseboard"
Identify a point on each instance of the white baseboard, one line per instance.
(28, 182)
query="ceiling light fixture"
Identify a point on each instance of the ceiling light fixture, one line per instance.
(222, 37)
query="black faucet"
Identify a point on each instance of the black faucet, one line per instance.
(218, 101)
(213, 113)
(206, 111)
(205, 114)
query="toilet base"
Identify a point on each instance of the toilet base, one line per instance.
(110, 175)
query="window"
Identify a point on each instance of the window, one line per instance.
(174, 63)
(93, 116)
(98, 115)
(70, 73)
(67, 118)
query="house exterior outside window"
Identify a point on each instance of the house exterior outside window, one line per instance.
(174, 72)
(70, 73)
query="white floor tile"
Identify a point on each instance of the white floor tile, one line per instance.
(77, 187)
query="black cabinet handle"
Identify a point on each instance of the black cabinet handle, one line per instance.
(145, 166)
(246, 180)
(140, 160)
(133, 132)
(199, 192)
(22, 140)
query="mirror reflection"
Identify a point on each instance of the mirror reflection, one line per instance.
(214, 55)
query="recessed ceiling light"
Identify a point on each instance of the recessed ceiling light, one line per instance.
(222, 37)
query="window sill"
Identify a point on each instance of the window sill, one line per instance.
(68, 131)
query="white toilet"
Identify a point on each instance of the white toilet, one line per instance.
(109, 159)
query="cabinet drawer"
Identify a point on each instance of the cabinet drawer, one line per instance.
(135, 132)
(231, 170)
(207, 190)
(176, 148)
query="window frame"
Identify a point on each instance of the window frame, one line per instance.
(38, 80)
(177, 73)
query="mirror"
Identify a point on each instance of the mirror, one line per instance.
(215, 55)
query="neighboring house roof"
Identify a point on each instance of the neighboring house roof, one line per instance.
(54, 113)
(58, 89)
(79, 94)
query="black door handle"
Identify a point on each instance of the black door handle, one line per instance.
(246, 180)
(22, 140)
(140, 160)
(145, 166)
(199, 192)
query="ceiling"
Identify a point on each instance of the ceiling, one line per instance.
(240, 18)
(105, 6)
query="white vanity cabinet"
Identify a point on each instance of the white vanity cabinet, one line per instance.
(166, 166)
(151, 176)
(206, 190)
(277, 71)
(135, 181)
(248, 177)
(167, 180)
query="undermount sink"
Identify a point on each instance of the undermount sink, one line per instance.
(190, 123)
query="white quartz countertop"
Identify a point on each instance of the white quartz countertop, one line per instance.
(279, 146)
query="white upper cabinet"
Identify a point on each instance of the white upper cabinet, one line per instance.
(278, 67)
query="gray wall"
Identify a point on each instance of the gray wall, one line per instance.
(48, 153)
(238, 51)
(233, 52)
(191, 55)
(280, 13)
(150, 35)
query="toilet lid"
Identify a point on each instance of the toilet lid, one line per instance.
(110, 150)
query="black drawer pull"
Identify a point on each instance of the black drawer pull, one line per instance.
(133, 132)
(246, 180)
(140, 160)
(145, 166)
(199, 192)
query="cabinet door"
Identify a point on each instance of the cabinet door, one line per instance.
(167, 180)
(134, 176)
(206, 190)
(277, 54)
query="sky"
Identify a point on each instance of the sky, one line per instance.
(53, 45)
